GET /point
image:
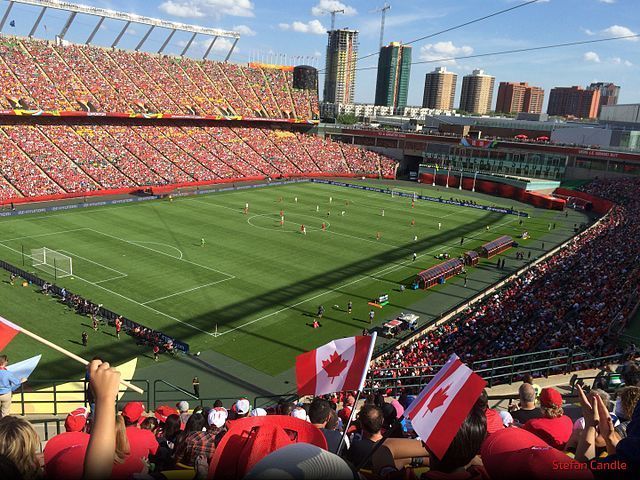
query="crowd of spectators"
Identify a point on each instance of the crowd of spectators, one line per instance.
(39, 74)
(541, 436)
(571, 299)
(50, 159)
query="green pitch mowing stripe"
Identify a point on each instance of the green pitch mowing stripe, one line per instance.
(252, 289)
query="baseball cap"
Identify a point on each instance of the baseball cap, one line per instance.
(76, 420)
(183, 406)
(132, 411)
(64, 455)
(163, 411)
(301, 461)
(251, 439)
(258, 412)
(550, 397)
(243, 406)
(516, 453)
(300, 413)
(217, 416)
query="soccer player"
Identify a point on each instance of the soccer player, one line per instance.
(415, 256)
(282, 220)
(342, 213)
(118, 323)
(439, 226)
(371, 316)
(246, 208)
(377, 235)
(413, 222)
(85, 339)
(320, 311)
(330, 199)
(12, 278)
(413, 203)
(324, 226)
(295, 199)
(383, 212)
(156, 351)
(461, 240)
(303, 229)
(487, 228)
(282, 213)
(317, 208)
(415, 238)
(94, 322)
(349, 307)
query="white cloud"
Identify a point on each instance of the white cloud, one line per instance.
(317, 53)
(201, 46)
(620, 61)
(620, 31)
(244, 30)
(591, 57)
(607, 1)
(312, 26)
(202, 8)
(325, 6)
(441, 50)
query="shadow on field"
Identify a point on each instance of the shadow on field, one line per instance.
(288, 296)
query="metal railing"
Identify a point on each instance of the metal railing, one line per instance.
(48, 397)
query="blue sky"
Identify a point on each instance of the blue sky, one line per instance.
(298, 28)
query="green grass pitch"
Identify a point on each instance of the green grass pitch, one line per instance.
(252, 290)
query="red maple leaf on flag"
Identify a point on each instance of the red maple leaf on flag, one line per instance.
(334, 365)
(437, 400)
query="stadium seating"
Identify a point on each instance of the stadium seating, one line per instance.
(568, 300)
(86, 78)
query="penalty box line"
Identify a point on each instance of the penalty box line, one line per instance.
(389, 269)
(171, 317)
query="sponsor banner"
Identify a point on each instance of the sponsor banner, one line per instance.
(505, 211)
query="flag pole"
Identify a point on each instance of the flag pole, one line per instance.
(73, 356)
(374, 336)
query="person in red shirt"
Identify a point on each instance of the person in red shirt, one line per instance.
(345, 412)
(494, 420)
(156, 350)
(142, 443)
(118, 327)
(554, 427)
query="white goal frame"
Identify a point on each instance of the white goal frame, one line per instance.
(54, 263)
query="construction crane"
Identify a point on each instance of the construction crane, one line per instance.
(382, 9)
(333, 17)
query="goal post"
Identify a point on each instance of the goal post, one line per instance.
(54, 263)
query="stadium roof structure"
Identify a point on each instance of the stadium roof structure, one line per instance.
(128, 18)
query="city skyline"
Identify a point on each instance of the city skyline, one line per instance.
(267, 32)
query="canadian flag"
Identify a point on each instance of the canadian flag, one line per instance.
(335, 367)
(8, 330)
(438, 412)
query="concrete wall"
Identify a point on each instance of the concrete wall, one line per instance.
(582, 136)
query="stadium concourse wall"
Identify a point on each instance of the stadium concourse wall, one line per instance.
(158, 191)
(496, 188)
(600, 205)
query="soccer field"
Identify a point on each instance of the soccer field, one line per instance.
(252, 290)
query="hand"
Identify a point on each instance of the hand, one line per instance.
(607, 430)
(103, 380)
(514, 407)
(22, 380)
(202, 467)
(587, 409)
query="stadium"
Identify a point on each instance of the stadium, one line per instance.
(183, 239)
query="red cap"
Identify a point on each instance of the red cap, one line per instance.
(516, 453)
(132, 411)
(251, 439)
(163, 411)
(64, 455)
(76, 420)
(550, 397)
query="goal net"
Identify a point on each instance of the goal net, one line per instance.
(54, 263)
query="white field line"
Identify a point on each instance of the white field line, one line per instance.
(111, 278)
(384, 270)
(163, 253)
(159, 243)
(42, 234)
(122, 274)
(130, 299)
(186, 291)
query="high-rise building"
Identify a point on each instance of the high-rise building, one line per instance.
(609, 94)
(477, 92)
(394, 68)
(574, 102)
(517, 97)
(340, 68)
(439, 89)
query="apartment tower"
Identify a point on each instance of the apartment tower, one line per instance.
(439, 89)
(394, 68)
(477, 92)
(340, 68)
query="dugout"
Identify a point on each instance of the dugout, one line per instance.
(471, 258)
(438, 273)
(496, 246)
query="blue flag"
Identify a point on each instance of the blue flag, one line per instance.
(24, 368)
